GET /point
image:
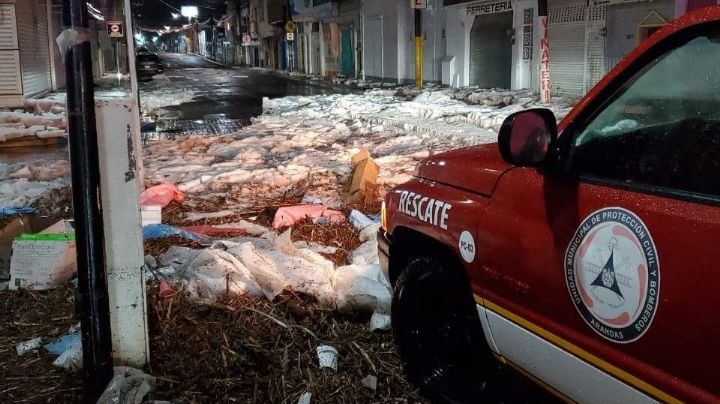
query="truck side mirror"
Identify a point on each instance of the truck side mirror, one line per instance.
(526, 137)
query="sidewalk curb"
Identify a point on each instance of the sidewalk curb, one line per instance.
(322, 83)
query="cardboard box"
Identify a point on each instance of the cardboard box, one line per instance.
(362, 184)
(63, 226)
(10, 231)
(42, 261)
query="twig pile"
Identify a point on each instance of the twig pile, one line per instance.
(342, 236)
(254, 351)
(31, 378)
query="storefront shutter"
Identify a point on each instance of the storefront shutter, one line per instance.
(34, 51)
(10, 76)
(491, 51)
(566, 36)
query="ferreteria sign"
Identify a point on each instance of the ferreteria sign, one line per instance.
(480, 8)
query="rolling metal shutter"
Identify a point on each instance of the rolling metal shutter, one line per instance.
(491, 51)
(373, 63)
(566, 36)
(595, 45)
(10, 77)
(34, 50)
(57, 27)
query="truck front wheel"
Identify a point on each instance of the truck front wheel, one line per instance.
(438, 332)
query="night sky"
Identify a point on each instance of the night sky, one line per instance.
(155, 14)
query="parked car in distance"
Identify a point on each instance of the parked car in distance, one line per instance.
(582, 254)
(147, 65)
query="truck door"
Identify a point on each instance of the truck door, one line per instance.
(599, 277)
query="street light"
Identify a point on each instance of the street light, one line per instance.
(189, 11)
(175, 16)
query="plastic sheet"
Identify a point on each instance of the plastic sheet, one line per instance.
(161, 195)
(72, 357)
(16, 211)
(63, 343)
(289, 215)
(359, 220)
(362, 288)
(153, 231)
(128, 386)
(253, 266)
(366, 254)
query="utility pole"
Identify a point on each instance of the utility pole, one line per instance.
(544, 52)
(418, 46)
(82, 134)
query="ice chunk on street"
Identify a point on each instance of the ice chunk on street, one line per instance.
(301, 146)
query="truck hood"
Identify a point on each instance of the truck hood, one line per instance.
(475, 169)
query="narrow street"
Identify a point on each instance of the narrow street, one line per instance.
(222, 100)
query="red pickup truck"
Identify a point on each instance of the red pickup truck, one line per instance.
(582, 254)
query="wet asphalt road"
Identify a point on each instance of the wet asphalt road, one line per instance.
(225, 98)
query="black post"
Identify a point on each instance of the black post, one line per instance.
(418, 49)
(92, 284)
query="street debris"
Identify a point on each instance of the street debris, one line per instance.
(303, 146)
(327, 357)
(370, 382)
(362, 289)
(161, 195)
(255, 267)
(304, 398)
(155, 231)
(380, 321)
(72, 357)
(64, 342)
(233, 350)
(216, 231)
(44, 122)
(24, 315)
(28, 345)
(361, 185)
(289, 215)
(360, 220)
(260, 249)
(128, 386)
(12, 228)
(43, 260)
(150, 214)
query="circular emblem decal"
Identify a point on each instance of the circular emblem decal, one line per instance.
(613, 275)
(467, 246)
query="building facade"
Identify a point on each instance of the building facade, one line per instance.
(29, 54)
(25, 53)
(493, 44)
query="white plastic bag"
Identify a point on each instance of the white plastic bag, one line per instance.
(128, 386)
(72, 358)
(215, 273)
(255, 267)
(366, 254)
(362, 288)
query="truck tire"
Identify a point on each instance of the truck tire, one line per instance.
(438, 332)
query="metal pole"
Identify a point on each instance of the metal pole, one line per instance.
(418, 49)
(92, 284)
(362, 47)
(544, 52)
